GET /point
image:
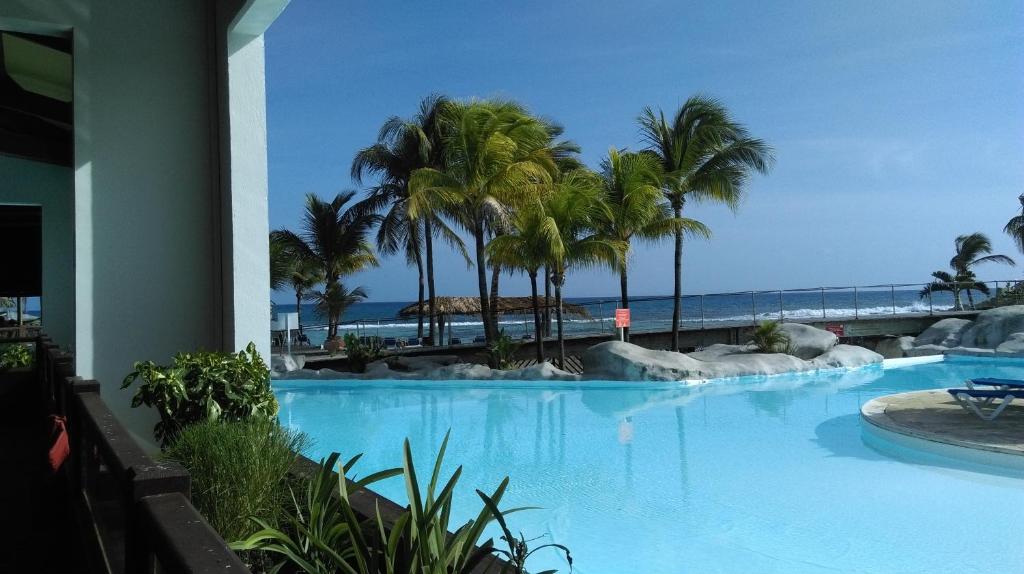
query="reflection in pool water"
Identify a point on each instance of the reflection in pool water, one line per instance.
(748, 475)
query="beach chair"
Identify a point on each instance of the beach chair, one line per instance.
(390, 343)
(413, 342)
(479, 339)
(455, 341)
(980, 402)
(1001, 384)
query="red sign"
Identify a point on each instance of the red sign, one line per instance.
(835, 328)
(621, 318)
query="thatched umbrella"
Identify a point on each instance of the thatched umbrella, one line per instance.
(451, 306)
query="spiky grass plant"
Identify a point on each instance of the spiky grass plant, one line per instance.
(770, 338)
(239, 469)
(325, 534)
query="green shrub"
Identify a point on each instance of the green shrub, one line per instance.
(239, 470)
(769, 338)
(15, 356)
(203, 385)
(501, 353)
(324, 534)
(361, 354)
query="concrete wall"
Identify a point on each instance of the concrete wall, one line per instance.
(169, 255)
(49, 186)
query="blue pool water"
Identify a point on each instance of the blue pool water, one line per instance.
(747, 475)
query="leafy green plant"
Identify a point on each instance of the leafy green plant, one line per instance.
(519, 548)
(325, 533)
(239, 469)
(361, 354)
(770, 338)
(203, 385)
(14, 356)
(501, 353)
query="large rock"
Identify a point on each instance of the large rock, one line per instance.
(846, 356)
(944, 333)
(718, 350)
(927, 350)
(543, 372)
(286, 363)
(619, 361)
(808, 342)
(1013, 346)
(994, 326)
(894, 347)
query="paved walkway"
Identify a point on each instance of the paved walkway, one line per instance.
(935, 415)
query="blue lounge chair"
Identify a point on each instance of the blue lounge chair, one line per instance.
(390, 342)
(479, 339)
(1001, 384)
(977, 401)
(455, 341)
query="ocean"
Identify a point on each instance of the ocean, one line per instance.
(647, 313)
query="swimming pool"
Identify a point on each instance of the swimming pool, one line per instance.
(758, 474)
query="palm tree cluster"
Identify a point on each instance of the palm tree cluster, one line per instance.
(507, 180)
(971, 251)
(333, 242)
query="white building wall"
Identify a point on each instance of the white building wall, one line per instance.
(169, 254)
(247, 252)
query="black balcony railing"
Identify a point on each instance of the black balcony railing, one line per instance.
(133, 512)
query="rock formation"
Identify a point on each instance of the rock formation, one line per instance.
(995, 332)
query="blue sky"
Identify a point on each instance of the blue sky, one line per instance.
(896, 125)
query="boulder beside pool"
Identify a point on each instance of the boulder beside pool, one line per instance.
(994, 332)
(619, 361)
(944, 333)
(994, 326)
(807, 342)
(895, 347)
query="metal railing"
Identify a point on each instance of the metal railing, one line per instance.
(727, 309)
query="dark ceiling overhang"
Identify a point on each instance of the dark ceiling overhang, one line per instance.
(35, 97)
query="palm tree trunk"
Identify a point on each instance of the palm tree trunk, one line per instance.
(493, 309)
(298, 308)
(538, 335)
(677, 291)
(957, 305)
(419, 300)
(970, 298)
(428, 233)
(624, 287)
(547, 301)
(558, 315)
(481, 276)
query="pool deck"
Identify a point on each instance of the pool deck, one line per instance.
(936, 416)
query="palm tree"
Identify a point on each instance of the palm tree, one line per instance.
(495, 159)
(636, 208)
(578, 212)
(705, 156)
(281, 261)
(333, 301)
(559, 231)
(303, 277)
(334, 240)
(971, 251)
(1015, 227)
(527, 248)
(402, 147)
